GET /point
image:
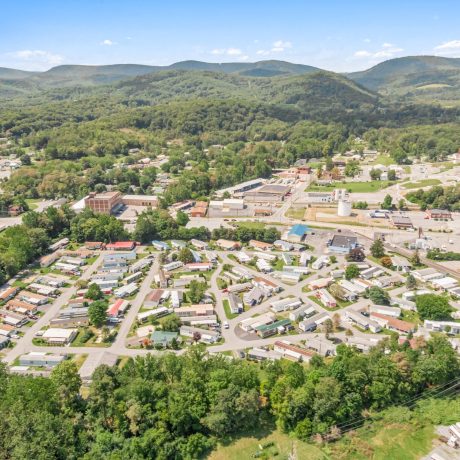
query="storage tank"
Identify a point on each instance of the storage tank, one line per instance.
(344, 208)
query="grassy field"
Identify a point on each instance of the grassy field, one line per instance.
(421, 183)
(283, 445)
(228, 314)
(295, 213)
(384, 160)
(353, 187)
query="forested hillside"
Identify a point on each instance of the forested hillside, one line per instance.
(163, 408)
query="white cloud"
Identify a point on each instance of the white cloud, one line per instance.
(451, 48)
(37, 57)
(234, 52)
(367, 40)
(227, 52)
(108, 42)
(277, 47)
(388, 50)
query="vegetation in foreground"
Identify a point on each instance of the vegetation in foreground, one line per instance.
(162, 407)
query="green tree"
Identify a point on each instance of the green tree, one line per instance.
(391, 174)
(379, 296)
(186, 256)
(377, 249)
(196, 291)
(171, 323)
(182, 219)
(387, 202)
(94, 292)
(375, 174)
(411, 282)
(352, 271)
(432, 306)
(97, 313)
(67, 381)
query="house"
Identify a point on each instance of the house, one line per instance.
(321, 346)
(393, 324)
(94, 245)
(364, 344)
(121, 246)
(301, 312)
(59, 336)
(196, 256)
(160, 245)
(176, 298)
(253, 297)
(288, 276)
(40, 359)
(172, 266)
(371, 272)
(445, 283)
(311, 323)
(140, 265)
(200, 320)
(286, 258)
(394, 312)
(6, 330)
(263, 266)
(195, 310)
(343, 244)
(178, 244)
(362, 321)
(401, 264)
(427, 274)
(304, 259)
(249, 324)
(49, 259)
(206, 336)
(320, 262)
(164, 338)
(13, 319)
(277, 327)
(155, 313)
(288, 303)
(235, 288)
(401, 222)
(296, 269)
(326, 298)
(320, 283)
(287, 350)
(32, 298)
(235, 303)
(21, 307)
(342, 293)
(283, 245)
(8, 293)
(242, 257)
(261, 354)
(117, 308)
(242, 272)
(352, 286)
(228, 245)
(198, 267)
(126, 291)
(260, 245)
(442, 326)
(297, 233)
(42, 289)
(201, 245)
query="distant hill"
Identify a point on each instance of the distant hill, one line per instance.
(310, 91)
(421, 78)
(16, 81)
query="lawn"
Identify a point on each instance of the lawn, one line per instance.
(421, 183)
(32, 203)
(353, 187)
(247, 447)
(384, 160)
(295, 213)
(227, 310)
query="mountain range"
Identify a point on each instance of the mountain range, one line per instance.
(409, 79)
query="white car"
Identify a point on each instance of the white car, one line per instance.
(226, 325)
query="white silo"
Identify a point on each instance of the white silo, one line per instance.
(344, 208)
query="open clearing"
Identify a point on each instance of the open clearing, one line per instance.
(353, 187)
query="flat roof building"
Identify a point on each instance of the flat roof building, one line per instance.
(103, 203)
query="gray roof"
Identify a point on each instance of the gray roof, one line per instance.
(343, 241)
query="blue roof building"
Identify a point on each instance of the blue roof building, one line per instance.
(160, 245)
(297, 232)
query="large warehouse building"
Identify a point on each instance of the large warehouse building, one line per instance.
(268, 193)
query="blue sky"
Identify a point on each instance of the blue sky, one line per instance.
(334, 35)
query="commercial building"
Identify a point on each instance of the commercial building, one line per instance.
(402, 222)
(297, 233)
(140, 200)
(103, 203)
(343, 244)
(442, 214)
(272, 193)
(241, 188)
